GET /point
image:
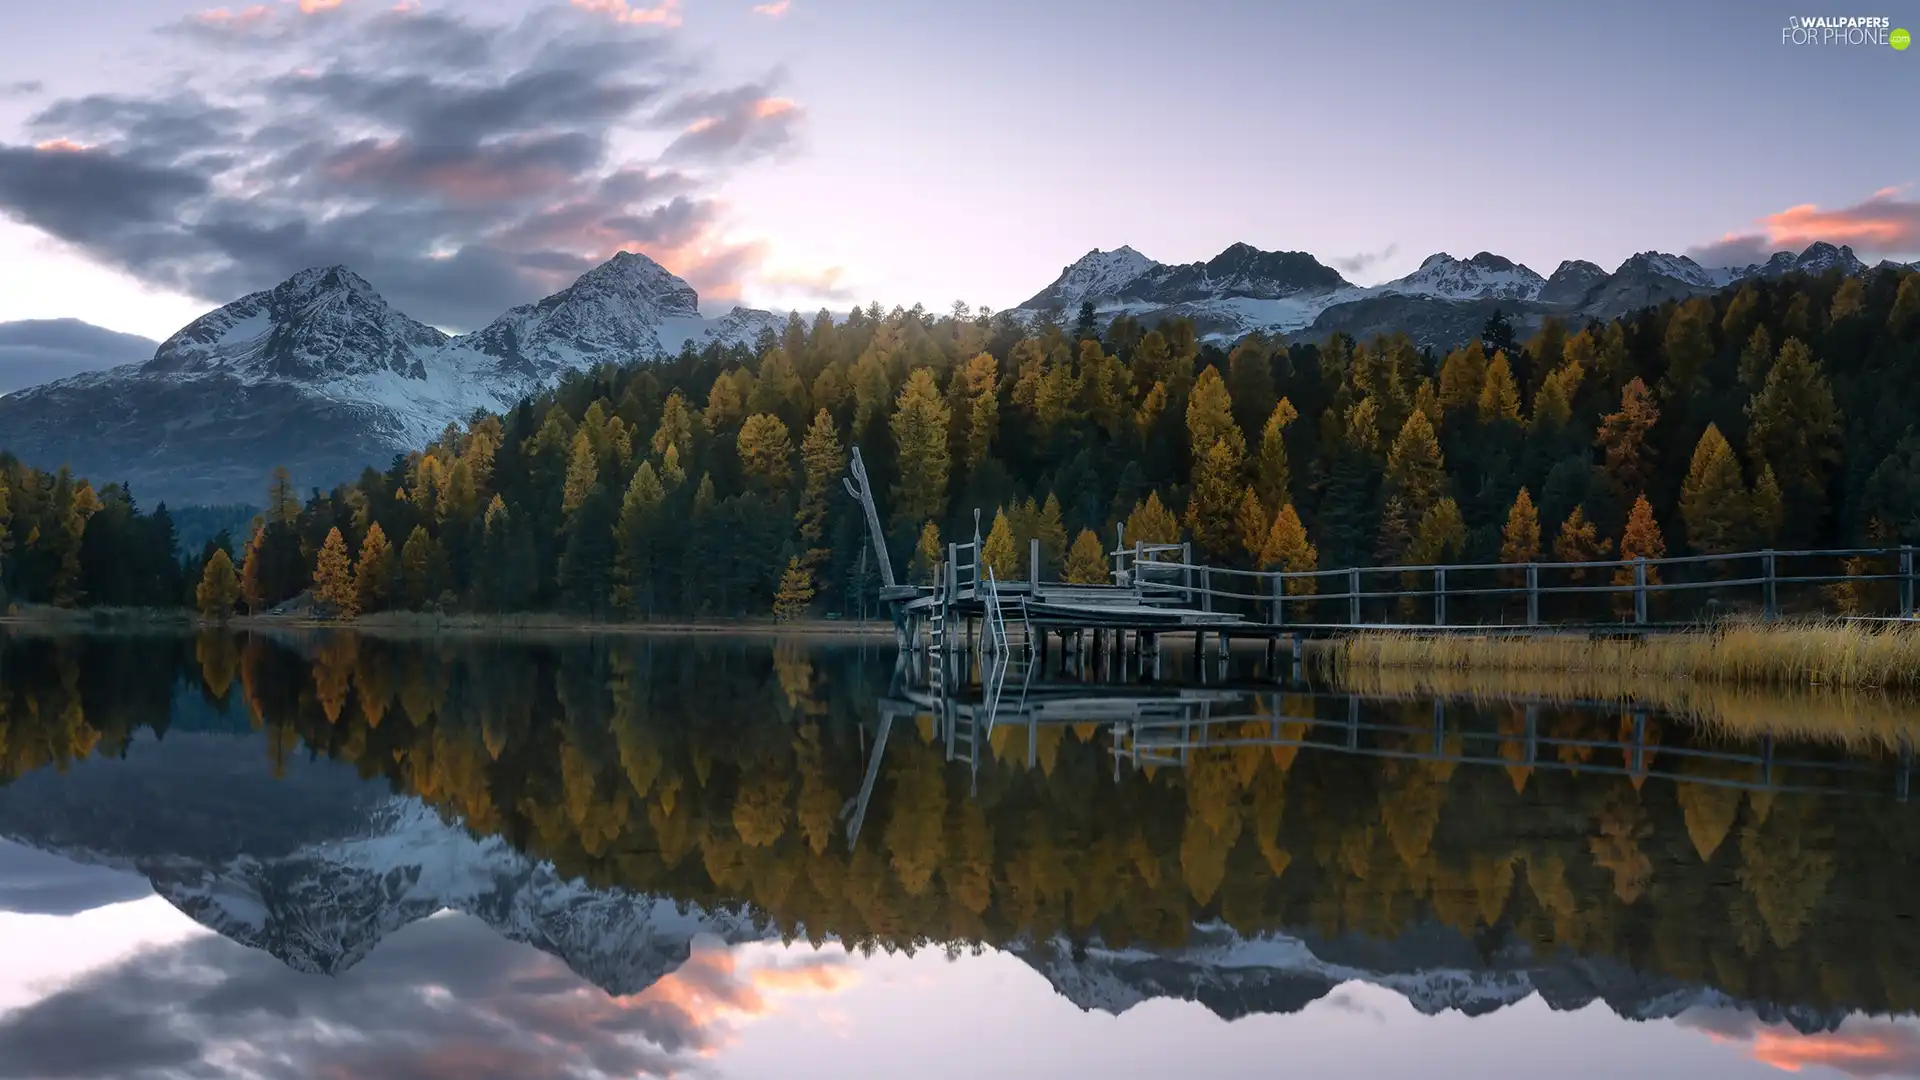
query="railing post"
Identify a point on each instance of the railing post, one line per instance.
(1640, 590)
(1186, 572)
(1439, 596)
(1353, 596)
(1279, 580)
(1139, 550)
(1206, 588)
(1906, 580)
(1770, 603)
(1533, 594)
(1033, 563)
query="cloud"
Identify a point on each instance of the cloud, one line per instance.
(828, 285)
(445, 998)
(34, 882)
(1860, 1047)
(1344, 1002)
(773, 10)
(1884, 223)
(24, 88)
(1355, 264)
(461, 166)
(664, 13)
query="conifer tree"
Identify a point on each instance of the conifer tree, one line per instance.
(1795, 429)
(1087, 560)
(982, 377)
(1904, 319)
(373, 573)
(419, 583)
(1273, 479)
(283, 505)
(675, 430)
(1416, 472)
(1215, 500)
(633, 539)
(1251, 524)
(1756, 359)
(583, 471)
(218, 590)
(252, 568)
(726, 403)
(1579, 541)
(822, 460)
(766, 453)
(1051, 532)
(1689, 346)
(1520, 539)
(1463, 375)
(1641, 540)
(928, 554)
(919, 424)
(1440, 536)
(1623, 439)
(1766, 511)
(1288, 549)
(1714, 503)
(997, 552)
(1499, 394)
(1250, 380)
(333, 577)
(796, 592)
(1210, 416)
(1151, 522)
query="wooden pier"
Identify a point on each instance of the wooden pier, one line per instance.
(1157, 591)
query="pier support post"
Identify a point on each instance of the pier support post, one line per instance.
(1353, 597)
(1533, 594)
(1440, 596)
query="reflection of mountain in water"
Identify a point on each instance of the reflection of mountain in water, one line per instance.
(324, 867)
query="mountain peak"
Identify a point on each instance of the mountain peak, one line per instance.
(614, 311)
(1097, 276)
(321, 323)
(1486, 276)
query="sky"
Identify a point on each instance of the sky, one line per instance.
(132, 987)
(159, 158)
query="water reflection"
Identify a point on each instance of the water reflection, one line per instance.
(614, 822)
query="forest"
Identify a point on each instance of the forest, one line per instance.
(716, 772)
(1778, 413)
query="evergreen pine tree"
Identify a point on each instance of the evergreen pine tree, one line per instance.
(1520, 539)
(583, 472)
(1251, 525)
(928, 554)
(1287, 549)
(920, 420)
(1641, 540)
(1795, 429)
(1623, 439)
(1151, 522)
(1579, 541)
(1440, 536)
(1051, 531)
(1499, 394)
(998, 552)
(1714, 503)
(419, 586)
(634, 541)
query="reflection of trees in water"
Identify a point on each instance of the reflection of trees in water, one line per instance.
(718, 772)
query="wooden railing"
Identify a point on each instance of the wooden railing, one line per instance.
(1635, 592)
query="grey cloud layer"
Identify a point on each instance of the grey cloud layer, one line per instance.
(462, 167)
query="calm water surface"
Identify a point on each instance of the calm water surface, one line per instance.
(329, 856)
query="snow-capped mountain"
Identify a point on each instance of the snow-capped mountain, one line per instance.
(1486, 276)
(1570, 283)
(1098, 276)
(1818, 258)
(316, 324)
(322, 375)
(1435, 968)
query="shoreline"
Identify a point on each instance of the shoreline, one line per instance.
(422, 625)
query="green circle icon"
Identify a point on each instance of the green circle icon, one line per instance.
(1900, 40)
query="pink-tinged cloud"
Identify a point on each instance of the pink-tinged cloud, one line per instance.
(457, 177)
(314, 7)
(827, 284)
(1884, 223)
(242, 19)
(663, 13)
(1863, 1048)
(773, 10)
(62, 146)
(767, 108)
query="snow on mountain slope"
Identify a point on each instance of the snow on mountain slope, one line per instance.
(1098, 276)
(614, 312)
(318, 324)
(1485, 276)
(1678, 267)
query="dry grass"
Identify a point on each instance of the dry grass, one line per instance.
(1850, 655)
(1857, 683)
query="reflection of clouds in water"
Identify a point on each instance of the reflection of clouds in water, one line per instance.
(1861, 1047)
(445, 998)
(36, 883)
(1344, 1002)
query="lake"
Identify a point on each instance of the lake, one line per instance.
(326, 855)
